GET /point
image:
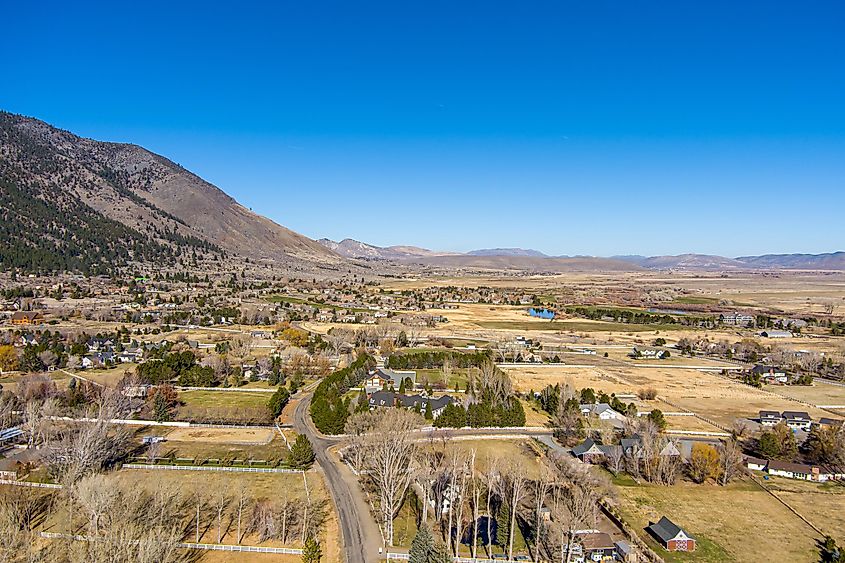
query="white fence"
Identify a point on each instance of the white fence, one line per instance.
(210, 468)
(392, 556)
(17, 483)
(190, 545)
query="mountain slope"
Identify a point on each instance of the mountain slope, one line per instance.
(351, 248)
(829, 261)
(157, 202)
(507, 252)
(704, 262)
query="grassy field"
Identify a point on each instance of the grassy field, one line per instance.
(203, 399)
(703, 510)
(578, 326)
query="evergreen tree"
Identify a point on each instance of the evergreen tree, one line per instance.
(503, 524)
(312, 552)
(161, 410)
(278, 401)
(301, 453)
(422, 546)
(428, 414)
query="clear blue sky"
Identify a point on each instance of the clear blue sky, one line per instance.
(600, 127)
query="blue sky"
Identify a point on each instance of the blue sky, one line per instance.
(599, 128)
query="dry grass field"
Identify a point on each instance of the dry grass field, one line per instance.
(739, 522)
(704, 393)
(817, 394)
(222, 435)
(822, 504)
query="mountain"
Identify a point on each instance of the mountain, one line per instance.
(76, 203)
(507, 252)
(351, 248)
(531, 264)
(702, 262)
(829, 261)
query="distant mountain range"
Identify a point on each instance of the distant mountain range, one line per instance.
(71, 203)
(529, 259)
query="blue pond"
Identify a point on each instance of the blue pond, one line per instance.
(541, 313)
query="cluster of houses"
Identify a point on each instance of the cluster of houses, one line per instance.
(104, 352)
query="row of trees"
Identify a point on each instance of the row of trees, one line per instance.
(470, 501)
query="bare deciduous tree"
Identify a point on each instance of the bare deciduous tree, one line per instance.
(390, 452)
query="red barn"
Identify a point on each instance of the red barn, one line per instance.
(672, 537)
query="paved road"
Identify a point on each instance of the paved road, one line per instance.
(360, 534)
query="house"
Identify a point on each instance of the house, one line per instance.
(736, 319)
(382, 377)
(648, 353)
(797, 420)
(830, 422)
(776, 334)
(136, 391)
(792, 470)
(588, 451)
(671, 536)
(604, 412)
(755, 463)
(597, 546)
(381, 399)
(803, 472)
(770, 418)
(26, 317)
(770, 373)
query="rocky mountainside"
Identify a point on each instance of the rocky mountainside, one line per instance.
(76, 203)
(351, 248)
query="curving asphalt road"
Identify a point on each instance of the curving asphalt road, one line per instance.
(361, 538)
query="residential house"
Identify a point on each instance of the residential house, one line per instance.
(755, 463)
(381, 399)
(597, 546)
(830, 422)
(770, 374)
(671, 536)
(648, 353)
(770, 418)
(589, 451)
(26, 317)
(792, 470)
(797, 420)
(736, 319)
(136, 391)
(382, 377)
(602, 410)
